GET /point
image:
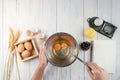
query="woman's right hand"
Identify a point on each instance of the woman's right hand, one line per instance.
(96, 72)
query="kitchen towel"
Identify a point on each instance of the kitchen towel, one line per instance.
(104, 54)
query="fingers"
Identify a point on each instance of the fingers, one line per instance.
(96, 72)
(42, 58)
(95, 68)
(98, 67)
(89, 71)
(42, 50)
(90, 65)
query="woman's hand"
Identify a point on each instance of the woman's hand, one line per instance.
(96, 72)
(42, 58)
(38, 74)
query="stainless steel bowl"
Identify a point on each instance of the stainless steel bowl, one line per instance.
(61, 58)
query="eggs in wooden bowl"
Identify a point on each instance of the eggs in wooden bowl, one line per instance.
(26, 49)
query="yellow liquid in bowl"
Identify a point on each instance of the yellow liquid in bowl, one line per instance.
(63, 49)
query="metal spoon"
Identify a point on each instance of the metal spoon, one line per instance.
(80, 60)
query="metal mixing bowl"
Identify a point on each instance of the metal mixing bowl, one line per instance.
(62, 58)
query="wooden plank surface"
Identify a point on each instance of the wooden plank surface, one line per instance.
(105, 12)
(48, 23)
(115, 20)
(24, 19)
(9, 20)
(57, 16)
(37, 14)
(1, 40)
(90, 10)
(70, 20)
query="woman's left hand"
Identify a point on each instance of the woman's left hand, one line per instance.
(42, 58)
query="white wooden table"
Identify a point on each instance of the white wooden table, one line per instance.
(55, 16)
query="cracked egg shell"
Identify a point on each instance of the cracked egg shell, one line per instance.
(28, 45)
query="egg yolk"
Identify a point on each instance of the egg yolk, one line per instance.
(57, 47)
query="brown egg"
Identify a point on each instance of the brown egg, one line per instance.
(25, 54)
(28, 45)
(20, 48)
